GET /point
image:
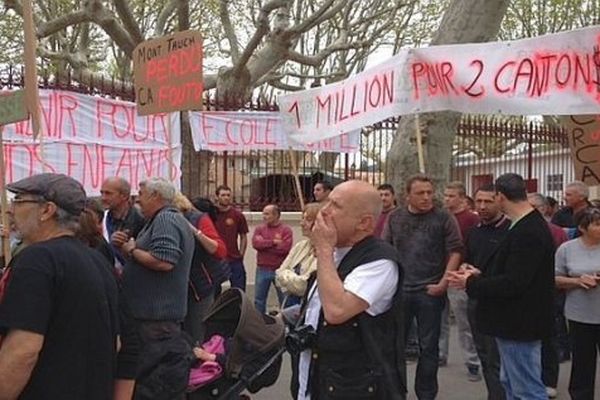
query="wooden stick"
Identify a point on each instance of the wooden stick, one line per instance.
(170, 149)
(32, 95)
(294, 162)
(4, 205)
(420, 145)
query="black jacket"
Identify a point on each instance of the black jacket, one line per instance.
(206, 271)
(362, 358)
(515, 291)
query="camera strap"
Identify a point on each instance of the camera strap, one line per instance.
(304, 307)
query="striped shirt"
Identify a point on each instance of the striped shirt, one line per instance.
(158, 295)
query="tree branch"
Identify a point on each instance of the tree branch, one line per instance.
(57, 24)
(210, 81)
(128, 20)
(109, 23)
(325, 12)
(261, 30)
(163, 17)
(229, 31)
(284, 86)
(317, 59)
(183, 14)
(90, 78)
(76, 60)
(15, 5)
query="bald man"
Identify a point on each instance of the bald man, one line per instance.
(272, 242)
(120, 215)
(353, 305)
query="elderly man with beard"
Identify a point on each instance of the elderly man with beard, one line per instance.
(58, 315)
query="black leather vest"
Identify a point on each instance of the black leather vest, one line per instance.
(362, 358)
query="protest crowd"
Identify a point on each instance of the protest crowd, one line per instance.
(106, 298)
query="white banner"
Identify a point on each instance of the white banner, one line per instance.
(237, 131)
(555, 74)
(92, 138)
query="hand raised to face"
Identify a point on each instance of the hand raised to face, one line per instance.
(324, 234)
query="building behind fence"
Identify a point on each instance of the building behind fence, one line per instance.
(485, 148)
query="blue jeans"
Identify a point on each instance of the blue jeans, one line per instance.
(238, 274)
(264, 279)
(428, 312)
(521, 369)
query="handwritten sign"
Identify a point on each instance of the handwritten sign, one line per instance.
(91, 139)
(168, 73)
(554, 74)
(237, 131)
(12, 107)
(584, 141)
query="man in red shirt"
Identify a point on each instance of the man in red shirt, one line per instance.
(388, 203)
(231, 225)
(272, 241)
(455, 200)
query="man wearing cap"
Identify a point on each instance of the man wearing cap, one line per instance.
(155, 280)
(58, 316)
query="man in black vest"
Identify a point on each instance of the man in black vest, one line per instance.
(354, 304)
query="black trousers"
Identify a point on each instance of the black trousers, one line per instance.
(164, 361)
(487, 351)
(585, 339)
(550, 363)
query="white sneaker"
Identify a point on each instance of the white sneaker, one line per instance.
(551, 392)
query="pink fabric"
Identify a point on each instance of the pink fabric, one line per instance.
(208, 371)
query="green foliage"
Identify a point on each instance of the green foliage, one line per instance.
(529, 18)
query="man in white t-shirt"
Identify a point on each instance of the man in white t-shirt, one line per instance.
(353, 304)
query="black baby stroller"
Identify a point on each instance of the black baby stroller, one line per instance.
(255, 347)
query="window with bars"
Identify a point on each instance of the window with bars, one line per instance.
(554, 182)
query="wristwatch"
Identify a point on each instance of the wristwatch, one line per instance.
(130, 252)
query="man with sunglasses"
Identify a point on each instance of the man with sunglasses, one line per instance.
(58, 315)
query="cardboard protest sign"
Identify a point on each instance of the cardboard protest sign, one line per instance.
(584, 141)
(168, 73)
(93, 138)
(12, 107)
(239, 131)
(550, 75)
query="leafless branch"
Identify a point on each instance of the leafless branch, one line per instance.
(109, 23)
(327, 11)
(57, 24)
(163, 17)
(229, 31)
(317, 59)
(284, 86)
(128, 20)
(261, 30)
(183, 14)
